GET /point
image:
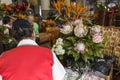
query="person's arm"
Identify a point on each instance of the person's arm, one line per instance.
(58, 70)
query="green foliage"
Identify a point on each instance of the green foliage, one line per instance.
(5, 38)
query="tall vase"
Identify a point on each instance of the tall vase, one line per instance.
(111, 19)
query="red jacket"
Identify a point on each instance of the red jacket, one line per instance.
(27, 63)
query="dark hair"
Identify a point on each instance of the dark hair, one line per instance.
(6, 20)
(21, 29)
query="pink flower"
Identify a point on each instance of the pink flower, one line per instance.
(79, 47)
(96, 29)
(97, 38)
(77, 22)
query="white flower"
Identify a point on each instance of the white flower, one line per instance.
(80, 30)
(10, 40)
(79, 47)
(97, 38)
(59, 41)
(58, 47)
(96, 29)
(59, 50)
(110, 5)
(6, 31)
(66, 29)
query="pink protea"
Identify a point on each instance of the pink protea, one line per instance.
(96, 29)
(77, 22)
(97, 38)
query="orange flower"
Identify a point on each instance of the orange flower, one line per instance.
(22, 16)
(75, 16)
(59, 4)
(72, 6)
(96, 15)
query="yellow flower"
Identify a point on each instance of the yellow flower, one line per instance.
(68, 11)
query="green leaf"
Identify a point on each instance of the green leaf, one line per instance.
(77, 56)
(67, 44)
(70, 52)
(99, 53)
(90, 52)
(61, 19)
(72, 39)
(60, 57)
(79, 64)
(85, 57)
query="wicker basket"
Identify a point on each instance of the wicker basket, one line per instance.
(113, 43)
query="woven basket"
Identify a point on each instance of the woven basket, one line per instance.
(113, 44)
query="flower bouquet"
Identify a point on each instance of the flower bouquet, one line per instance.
(18, 10)
(79, 40)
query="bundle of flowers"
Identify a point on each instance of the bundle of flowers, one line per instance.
(68, 12)
(13, 9)
(111, 8)
(78, 43)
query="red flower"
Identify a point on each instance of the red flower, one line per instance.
(8, 7)
(111, 11)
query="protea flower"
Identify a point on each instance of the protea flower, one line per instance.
(80, 30)
(96, 29)
(79, 47)
(66, 29)
(97, 38)
(77, 22)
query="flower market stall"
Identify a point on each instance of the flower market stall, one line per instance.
(84, 39)
(80, 41)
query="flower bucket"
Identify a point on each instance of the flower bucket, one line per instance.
(103, 18)
(117, 20)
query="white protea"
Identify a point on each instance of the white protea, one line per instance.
(79, 47)
(66, 29)
(80, 30)
(58, 47)
(96, 29)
